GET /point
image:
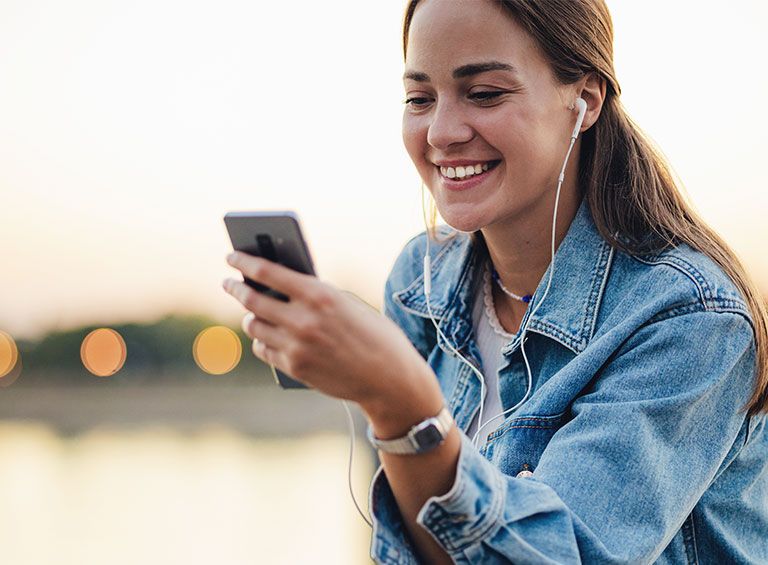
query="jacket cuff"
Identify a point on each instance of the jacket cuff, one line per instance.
(390, 543)
(472, 508)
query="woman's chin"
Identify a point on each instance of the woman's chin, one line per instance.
(465, 223)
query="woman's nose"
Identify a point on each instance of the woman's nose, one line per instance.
(448, 127)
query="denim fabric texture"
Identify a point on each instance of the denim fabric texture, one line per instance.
(634, 430)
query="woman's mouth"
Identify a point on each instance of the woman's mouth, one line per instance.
(459, 176)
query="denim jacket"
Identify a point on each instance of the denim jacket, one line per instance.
(634, 429)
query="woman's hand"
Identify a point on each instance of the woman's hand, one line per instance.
(329, 340)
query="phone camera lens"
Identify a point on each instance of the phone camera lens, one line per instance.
(266, 248)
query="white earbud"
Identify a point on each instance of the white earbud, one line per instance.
(582, 106)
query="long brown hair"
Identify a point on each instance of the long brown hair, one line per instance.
(636, 203)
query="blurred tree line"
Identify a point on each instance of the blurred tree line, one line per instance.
(157, 353)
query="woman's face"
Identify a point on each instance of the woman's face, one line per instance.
(485, 123)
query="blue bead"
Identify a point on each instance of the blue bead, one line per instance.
(527, 298)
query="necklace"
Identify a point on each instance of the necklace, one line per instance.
(495, 275)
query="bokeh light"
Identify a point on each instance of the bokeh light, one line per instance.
(217, 350)
(9, 354)
(10, 363)
(103, 352)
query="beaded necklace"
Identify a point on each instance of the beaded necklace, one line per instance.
(495, 275)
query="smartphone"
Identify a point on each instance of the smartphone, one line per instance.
(276, 236)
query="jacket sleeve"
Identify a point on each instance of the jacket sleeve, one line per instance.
(618, 480)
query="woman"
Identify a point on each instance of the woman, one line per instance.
(623, 383)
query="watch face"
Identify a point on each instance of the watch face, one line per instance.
(428, 437)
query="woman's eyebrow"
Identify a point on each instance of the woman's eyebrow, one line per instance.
(465, 71)
(477, 68)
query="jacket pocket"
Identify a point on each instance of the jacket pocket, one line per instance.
(516, 446)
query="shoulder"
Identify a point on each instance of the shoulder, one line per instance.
(674, 324)
(678, 281)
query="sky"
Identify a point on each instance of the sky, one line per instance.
(127, 131)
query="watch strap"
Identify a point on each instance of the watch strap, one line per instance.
(422, 437)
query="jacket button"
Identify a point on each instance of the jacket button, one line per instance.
(526, 472)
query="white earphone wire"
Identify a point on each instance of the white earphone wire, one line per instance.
(351, 423)
(582, 106)
(427, 293)
(546, 291)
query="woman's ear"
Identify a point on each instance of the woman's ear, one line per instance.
(593, 91)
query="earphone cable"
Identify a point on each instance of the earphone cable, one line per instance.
(546, 291)
(349, 466)
(427, 294)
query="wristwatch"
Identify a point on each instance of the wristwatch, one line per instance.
(422, 437)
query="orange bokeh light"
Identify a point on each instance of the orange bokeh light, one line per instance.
(217, 350)
(103, 352)
(10, 363)
(9, 354)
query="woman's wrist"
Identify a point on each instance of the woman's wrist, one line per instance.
(392, 414)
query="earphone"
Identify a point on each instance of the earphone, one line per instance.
(581, 105)
(582, 109)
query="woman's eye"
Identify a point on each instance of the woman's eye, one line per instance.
(485, 95)
(416, 101)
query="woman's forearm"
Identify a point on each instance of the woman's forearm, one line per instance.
(415, 478)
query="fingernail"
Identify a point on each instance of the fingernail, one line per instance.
(225, 284)
(231, 257)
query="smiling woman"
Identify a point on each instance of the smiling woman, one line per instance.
(573, 369)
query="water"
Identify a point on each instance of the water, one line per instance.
(157, 495)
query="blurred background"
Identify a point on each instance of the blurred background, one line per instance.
(135, 424)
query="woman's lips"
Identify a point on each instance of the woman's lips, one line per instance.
(468, 180)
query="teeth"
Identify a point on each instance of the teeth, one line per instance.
(463, 172)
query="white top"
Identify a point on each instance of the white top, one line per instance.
(491, 338)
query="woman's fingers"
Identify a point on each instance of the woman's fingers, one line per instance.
(271, 274)
(262, 330)
(266, 338)
(265, 307)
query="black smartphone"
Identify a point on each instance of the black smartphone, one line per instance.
(276, 236)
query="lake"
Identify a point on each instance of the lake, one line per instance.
(154, 489)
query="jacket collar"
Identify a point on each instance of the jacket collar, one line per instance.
(567, 315)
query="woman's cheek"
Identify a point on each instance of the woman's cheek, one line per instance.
(414, 137)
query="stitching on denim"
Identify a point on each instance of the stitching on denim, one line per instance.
(687, 266)
(675, 311)
(492, 518)
(400, 295)
(598, 270)
(693, 536)
(442, 533)
(693, 307)
(692, 274)
(553, 332)
(599, 293)
(531, 427)
(512, 423)
(693, 541)
(487, 523)
(461, 387)
(689, 542)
